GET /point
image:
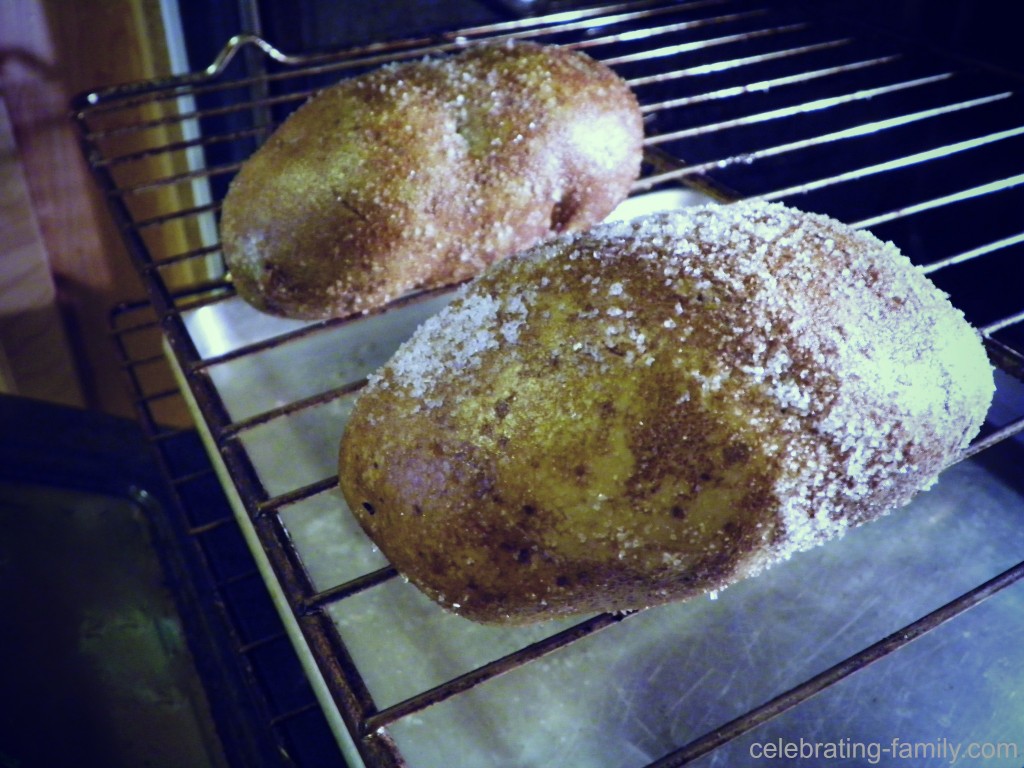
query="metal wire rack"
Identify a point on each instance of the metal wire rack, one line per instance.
(741, 99)
(265, 711)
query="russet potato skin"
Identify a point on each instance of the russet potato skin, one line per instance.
(647, 412)
(419, 175)
(525, 487)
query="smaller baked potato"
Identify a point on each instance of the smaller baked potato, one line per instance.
(421, 174)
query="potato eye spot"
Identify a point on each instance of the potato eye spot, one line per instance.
(369, 508)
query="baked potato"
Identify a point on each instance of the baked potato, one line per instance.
(654, 409)
(419, 175)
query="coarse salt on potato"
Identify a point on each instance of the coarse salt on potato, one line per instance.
(654, 409)
(420, 174)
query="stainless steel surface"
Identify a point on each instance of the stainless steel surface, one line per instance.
(867, 639)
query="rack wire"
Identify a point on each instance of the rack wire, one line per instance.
(740, 100)
(264, 709)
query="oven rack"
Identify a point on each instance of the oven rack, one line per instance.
(263, 707)
(761, 100)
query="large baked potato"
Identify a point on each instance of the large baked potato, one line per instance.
(421, 174)
(652, 410)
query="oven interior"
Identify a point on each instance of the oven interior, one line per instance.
(899, 631)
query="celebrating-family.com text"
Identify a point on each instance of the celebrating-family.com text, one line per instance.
(874, 752)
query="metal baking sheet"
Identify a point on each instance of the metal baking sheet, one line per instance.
(635, 691)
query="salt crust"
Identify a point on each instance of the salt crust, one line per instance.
(887, 366)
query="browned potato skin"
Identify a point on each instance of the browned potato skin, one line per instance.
(420, 175)
(584, 467)
(512, 502)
